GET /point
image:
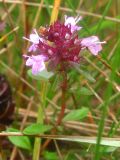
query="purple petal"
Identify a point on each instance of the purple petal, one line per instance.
(39, 58)
(32, 48)
(75, 28)
(95, 49)
(34, 38)
(29, 62)
(86, 42)
(38, 67)
(71, 21)
(93, 44)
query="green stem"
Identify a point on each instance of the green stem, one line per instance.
(100, 132)
(40, 119)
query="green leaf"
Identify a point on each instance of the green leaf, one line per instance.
(43, 75)
(107, 149)
(36, 129)
(47, 3)
(99, 24)
(50, 155)
(77, 114)
(82, 91)
(20, 141)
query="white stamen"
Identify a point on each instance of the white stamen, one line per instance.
(65, 17)
(27, 39)
(104, 42)
(35, 32)
(26, 56)
(77, 19)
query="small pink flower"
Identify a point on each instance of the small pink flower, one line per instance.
(35, 39)
(72, 22)
(36, 62)
(93, 44)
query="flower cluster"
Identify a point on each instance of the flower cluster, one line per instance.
(59, 43)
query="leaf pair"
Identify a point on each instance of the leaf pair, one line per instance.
(24, 141)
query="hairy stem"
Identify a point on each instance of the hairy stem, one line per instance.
(63, 98)
(63, 106)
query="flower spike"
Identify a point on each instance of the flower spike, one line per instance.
(60, 45)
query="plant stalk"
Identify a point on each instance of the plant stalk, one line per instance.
(53, 18)
(63, 105)
(40, 119)
(63, 98)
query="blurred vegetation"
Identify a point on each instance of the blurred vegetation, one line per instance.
(94, 85)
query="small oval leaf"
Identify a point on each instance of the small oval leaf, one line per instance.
(50, 155)
(36, 129)
(20, 141)
(43, 75)
(77, 114)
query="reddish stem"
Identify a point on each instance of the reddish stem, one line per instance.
(61, 115)
(63, 106)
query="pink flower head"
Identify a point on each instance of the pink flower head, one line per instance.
(36, 62)
(93, 44)
(60, 45)
(35, 39)
(72, 22)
